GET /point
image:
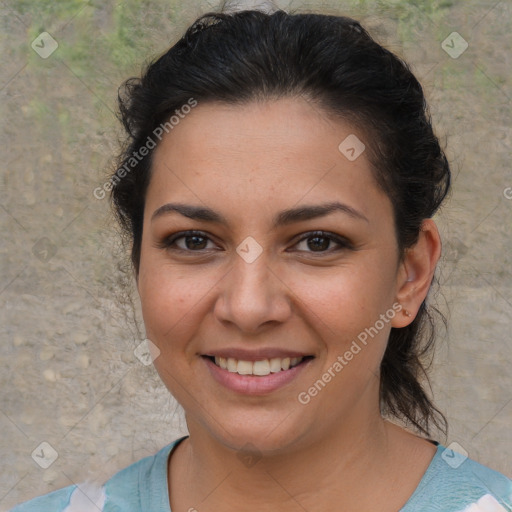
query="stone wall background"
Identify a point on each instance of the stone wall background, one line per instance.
(69, 376)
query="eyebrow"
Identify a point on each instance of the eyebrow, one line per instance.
(285, 217)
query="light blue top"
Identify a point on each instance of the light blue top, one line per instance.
(452, 483)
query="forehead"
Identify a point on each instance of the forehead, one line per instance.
(262, 155)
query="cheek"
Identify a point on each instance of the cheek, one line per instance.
(171, 300)
(345, 300)
(171, 303)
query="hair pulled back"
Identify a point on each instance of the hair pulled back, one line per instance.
(332, 61)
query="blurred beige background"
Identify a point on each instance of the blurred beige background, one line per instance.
(69, 375)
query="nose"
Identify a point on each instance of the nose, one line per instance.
(252, 296)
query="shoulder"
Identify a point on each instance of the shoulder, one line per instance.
(130, 490)
(56, 500)
(75, 498)
(455, 483)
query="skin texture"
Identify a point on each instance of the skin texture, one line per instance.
(248, 163)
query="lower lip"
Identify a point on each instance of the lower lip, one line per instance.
(251, 384)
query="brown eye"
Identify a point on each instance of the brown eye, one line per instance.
(320, 242)
(195, 242)
(188, 242)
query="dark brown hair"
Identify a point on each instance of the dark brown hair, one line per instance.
(331, 60)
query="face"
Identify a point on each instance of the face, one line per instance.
(264, 246)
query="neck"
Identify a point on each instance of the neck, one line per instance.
(342, 462)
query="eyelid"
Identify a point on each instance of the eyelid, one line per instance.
(168, 241)
(340, 240)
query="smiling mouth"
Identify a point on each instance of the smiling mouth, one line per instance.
(259, 368)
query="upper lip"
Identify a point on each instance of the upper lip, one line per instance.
(254, 354)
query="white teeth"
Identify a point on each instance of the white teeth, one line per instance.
(275, 364)
(261, 367)
(244, 368)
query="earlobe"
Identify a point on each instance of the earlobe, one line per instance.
(416, 273)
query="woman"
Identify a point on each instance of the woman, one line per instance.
(278, 188)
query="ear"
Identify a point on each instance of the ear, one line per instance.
(416, 273)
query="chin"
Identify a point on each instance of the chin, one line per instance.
(253, 431)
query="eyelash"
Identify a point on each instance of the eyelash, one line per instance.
(168, 242)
